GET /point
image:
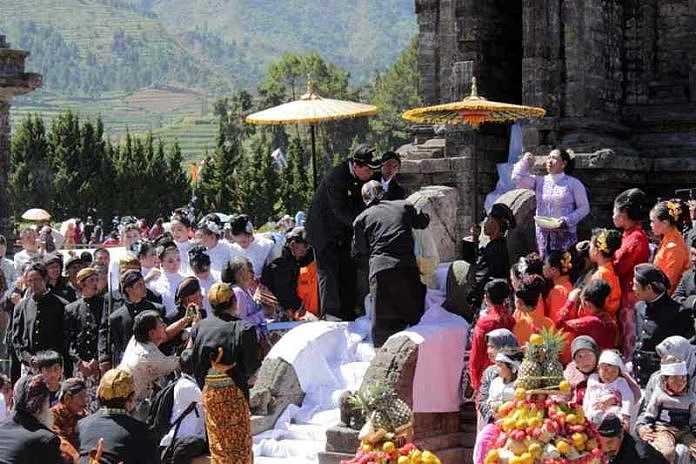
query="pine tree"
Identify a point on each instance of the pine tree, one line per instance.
(259, 183)
(295, 188)
(30, 178)
(178, 185)
(64, 141)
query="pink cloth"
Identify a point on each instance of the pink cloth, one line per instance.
(484, 442)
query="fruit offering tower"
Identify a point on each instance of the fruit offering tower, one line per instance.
(539, 426)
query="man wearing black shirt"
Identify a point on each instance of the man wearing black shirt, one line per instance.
(384, 232)
(117, 328)
(621, 448)
(37, 324)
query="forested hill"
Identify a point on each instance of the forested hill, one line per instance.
(88, 47)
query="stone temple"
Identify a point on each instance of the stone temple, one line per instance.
(617, 79)
(13, 81)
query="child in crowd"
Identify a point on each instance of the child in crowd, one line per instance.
(497, 316)
(670, 416)
(502, 389)
(557, 266)
(50, 365)
(608, 391)
(528, 321)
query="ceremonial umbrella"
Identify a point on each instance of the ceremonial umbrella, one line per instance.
(36, 214)
(311, 109)
(474, 110)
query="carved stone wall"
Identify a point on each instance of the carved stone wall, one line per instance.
(617, 78)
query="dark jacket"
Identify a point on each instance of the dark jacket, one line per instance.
(685, 294)
(126, 439)
(64, 289)
(83, 323)
(660, 319)
(634, 451)
(492, 262)
(280, 276)
(37, 325)
(335, 205)
(24, 440)
(384, 232)
(395, 191)
(236, 337)
(116, 329)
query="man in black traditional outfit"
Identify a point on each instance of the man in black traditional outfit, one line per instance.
(335, 206)
(391, 164)
(57, 283)
(329, 226)
(384, 232)
(492, 261)
(658, 316)
(37, 324)
(621, 448)
(83, 323)
(117, 328)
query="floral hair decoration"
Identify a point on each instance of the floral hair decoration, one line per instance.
(674, 210)
(566, 264)
(600, 242)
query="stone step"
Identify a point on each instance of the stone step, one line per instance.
(328, 457)
(445, 441)
(456, 456)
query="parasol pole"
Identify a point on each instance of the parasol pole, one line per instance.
(314, 156)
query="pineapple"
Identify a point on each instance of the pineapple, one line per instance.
(380, 403)
(553, 343)
(531, 369)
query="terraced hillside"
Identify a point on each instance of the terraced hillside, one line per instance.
(171, 113)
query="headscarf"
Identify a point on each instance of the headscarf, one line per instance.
(584, 342)
(501, 338)
(30, 392)
(509, 359)
(680, 348)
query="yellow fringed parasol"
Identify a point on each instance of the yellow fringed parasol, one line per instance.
(311, 109)
(474, 110)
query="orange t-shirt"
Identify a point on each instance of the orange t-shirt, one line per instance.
(529, 323)
(672, 257)
(308, 288)
(557, 297)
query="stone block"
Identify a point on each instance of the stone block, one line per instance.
(440, 203)
(441, 423)
(394, 364)
(276, 387)
(340, 439)
(435, 165)
(329, 457)
(443, 441)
